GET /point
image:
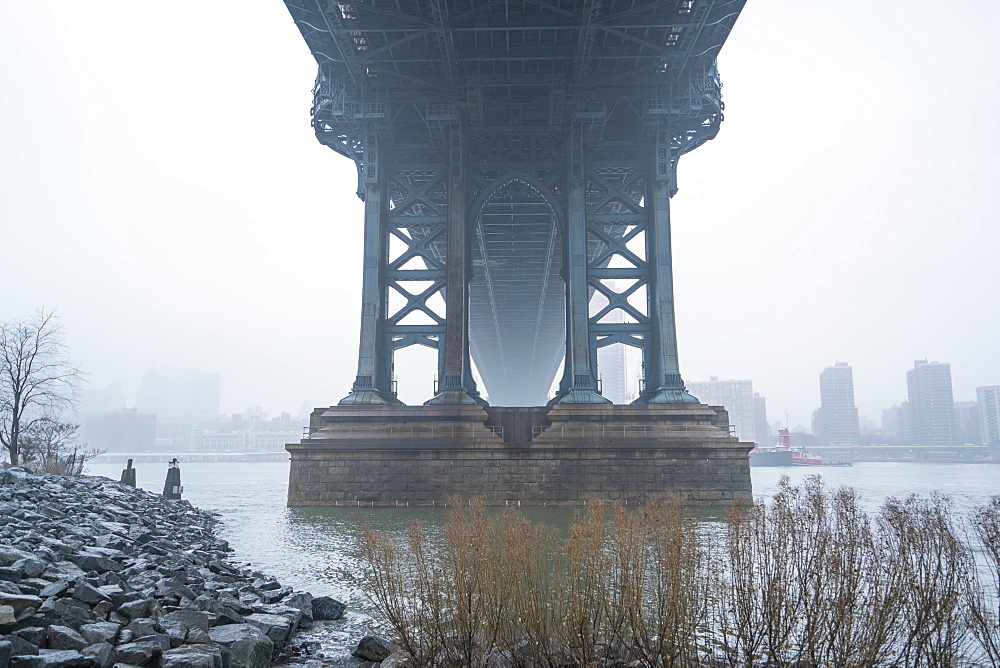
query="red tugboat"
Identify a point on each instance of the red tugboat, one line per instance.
(783, 454)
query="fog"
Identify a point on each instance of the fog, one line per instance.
(160, 187)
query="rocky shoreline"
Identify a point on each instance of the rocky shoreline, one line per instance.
(95, 573)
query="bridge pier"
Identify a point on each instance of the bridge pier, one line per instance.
(517, 164)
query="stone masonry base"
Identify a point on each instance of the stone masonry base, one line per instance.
(563, 455)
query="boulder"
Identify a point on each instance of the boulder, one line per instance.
(30, 566)
(192, 656)
(243, 646)
(63, 637)
(324, 607)
(275, 627)
(36, 635)
(301, 601)
(400, 659)
(5, 653)
(9, 555)
(89, 594)
(143, 626)
(138, 653)
(161, 640)
(93, 562)
(102, 654)
(10, 574)
(134, 609)
(20, 601)
(52, 659)
(22, 647)
(56, 588)
(190, 619)
(7, 615)
(100, 632)
(374, 648)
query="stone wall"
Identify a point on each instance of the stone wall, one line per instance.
(583, 454)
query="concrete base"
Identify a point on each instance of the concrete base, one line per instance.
(566, 454)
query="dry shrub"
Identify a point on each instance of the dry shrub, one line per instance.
(808, 579)
(984, 609)
(926, 549)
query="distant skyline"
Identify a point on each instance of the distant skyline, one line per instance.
(161, 188)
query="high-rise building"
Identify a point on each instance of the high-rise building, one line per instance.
(99, 402)
(988, 398)
(126, 430)
(762, 428)
(904, 433)
(968, 427)
(737, 398)
(838, 416)
(890, 421)
(174, 395)
(931, 404)
(612, 361)
(611, 366)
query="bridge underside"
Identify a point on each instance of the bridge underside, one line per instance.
(516, 160)
(517, 309)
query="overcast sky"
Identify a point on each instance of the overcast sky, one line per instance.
(160, 187)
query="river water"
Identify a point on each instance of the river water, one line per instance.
(315, 549)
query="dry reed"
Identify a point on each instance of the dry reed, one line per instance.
(806, 579)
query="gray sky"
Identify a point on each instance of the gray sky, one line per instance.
(161, 187)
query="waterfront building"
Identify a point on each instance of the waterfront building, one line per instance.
(988, 398)
(968, 426)
(931, 404)
(736, 396)
(246, 432)
(838, 417)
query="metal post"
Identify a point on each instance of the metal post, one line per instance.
(663, 376)
(457, 386)
(579, 383)
(373, 382)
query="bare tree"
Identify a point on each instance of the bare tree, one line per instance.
(37, 382)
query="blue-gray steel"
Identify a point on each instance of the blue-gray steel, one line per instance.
(516, 159)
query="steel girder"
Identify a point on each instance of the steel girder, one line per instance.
(516, 158)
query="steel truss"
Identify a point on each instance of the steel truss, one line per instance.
(516, 159)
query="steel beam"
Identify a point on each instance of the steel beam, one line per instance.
(373, 384)
(663, 383)
(579, 382)
(457, 385)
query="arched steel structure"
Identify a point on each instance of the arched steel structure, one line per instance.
(516, 159)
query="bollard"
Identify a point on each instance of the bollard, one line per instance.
(172, 487)
(128, 475)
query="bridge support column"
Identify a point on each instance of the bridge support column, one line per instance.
(457, 385)
(663, 377)
(579, 382)
(373, 384)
